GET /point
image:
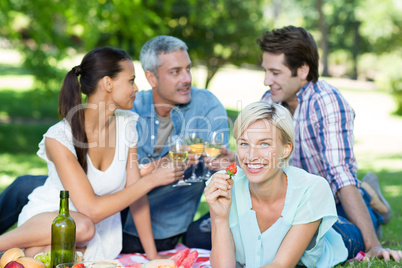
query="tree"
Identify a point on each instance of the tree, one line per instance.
(48, 31)
(223, 31)
(324, 37)
(217, 32)
(43, 31)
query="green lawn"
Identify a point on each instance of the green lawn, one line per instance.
(26, 114)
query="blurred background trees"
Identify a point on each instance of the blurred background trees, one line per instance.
(358, 39)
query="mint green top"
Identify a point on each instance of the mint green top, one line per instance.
(308, 199)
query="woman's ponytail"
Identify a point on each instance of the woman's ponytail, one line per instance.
(71, 108)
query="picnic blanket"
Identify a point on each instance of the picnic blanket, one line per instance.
(201, 262)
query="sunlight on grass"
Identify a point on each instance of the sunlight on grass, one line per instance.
(10, 56)
(393, 190)
(377, 162)
(14, 165)
(20, 82)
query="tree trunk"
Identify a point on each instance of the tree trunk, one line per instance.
(324, 38)
(211, 71)
(355, 50)
(277, 8)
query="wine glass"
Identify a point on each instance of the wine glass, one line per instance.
(178, 153)
(194, 141)
(213, 148)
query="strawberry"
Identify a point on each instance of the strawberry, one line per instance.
(78, 265)
(231, 169)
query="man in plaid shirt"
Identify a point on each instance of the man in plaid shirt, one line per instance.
(323, 122)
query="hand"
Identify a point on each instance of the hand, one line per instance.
(218, 194)
(226, 157)
(383, 253)
(168, 171)
(192, 159)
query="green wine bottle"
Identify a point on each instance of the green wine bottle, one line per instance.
(63, 234)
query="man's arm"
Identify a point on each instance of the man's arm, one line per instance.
(357, 212)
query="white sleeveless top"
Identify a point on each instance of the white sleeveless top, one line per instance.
(107, 242)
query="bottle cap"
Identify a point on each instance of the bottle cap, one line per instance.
(63, 194)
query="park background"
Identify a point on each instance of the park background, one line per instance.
(360, 45)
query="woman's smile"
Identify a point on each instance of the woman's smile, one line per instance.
(254, 167)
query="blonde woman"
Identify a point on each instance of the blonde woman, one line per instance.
(270, 214)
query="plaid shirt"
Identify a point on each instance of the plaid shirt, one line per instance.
(323, 122)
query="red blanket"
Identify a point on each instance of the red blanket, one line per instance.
(201, 262)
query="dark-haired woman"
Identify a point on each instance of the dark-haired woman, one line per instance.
(92, 154)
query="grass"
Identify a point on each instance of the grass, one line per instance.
(26, 114)
(28, 104)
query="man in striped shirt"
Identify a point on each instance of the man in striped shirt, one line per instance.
(323, 122)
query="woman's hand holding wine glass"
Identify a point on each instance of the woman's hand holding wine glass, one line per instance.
(167, 171)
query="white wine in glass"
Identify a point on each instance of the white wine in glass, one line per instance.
(178, 151)
(213, 148)
(178, 156)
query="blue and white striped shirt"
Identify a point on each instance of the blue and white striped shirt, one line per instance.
(323, 122)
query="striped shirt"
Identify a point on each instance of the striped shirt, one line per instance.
(323, 122)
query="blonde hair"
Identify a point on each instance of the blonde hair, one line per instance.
(276, 114)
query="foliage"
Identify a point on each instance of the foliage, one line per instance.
(42, 31)
(381, 24)
(354, 27)
(390, 79)
(217, 32)
(385, 71)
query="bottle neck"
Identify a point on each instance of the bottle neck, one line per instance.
(64, 208)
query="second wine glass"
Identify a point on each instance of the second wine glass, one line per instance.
(178, 153)
(213, 148)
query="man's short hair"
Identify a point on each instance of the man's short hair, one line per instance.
(158, 45)
(296, 44)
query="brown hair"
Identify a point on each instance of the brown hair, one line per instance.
(297, 44)
(96, 64)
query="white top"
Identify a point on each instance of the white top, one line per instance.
(107, 242)
(308, 199)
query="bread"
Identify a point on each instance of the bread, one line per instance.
(11, 255)
(30, 262)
